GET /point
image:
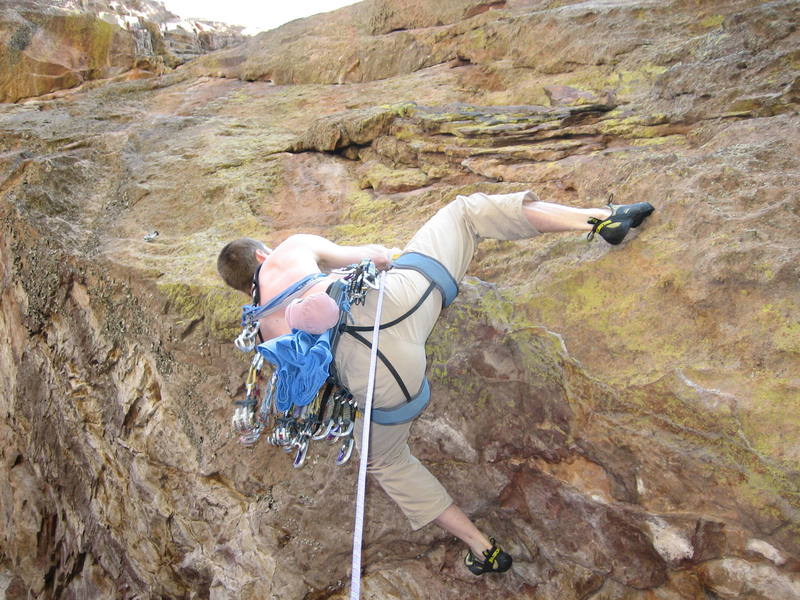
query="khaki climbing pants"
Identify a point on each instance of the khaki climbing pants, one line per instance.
(450, 237)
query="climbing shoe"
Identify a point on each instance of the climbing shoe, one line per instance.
(622, 219)
(494, 560)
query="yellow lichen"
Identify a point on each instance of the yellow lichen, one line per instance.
(712, 22)
(401, 109)
(382, 178)
(656, 141)
(218, 307)
(366, 221)
(787, 337)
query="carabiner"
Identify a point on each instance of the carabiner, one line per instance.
(300, 457)
(345, 451)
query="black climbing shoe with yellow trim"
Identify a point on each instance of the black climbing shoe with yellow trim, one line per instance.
(622, 219)
(494, 560)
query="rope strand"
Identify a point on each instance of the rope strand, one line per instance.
(358, 531)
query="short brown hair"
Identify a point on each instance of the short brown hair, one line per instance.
(237, 262)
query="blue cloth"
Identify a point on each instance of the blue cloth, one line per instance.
(302, 360)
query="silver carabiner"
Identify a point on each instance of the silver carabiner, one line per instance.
(345, 451)
(344, 428)
(324, 430)
(265, 410)
(251, 437)
(371, 276)
(300, 457)
(246, 342)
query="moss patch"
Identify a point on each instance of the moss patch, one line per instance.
(368, 221)
(384, 179)
(780, 319)
(218, 308)
(712, 22)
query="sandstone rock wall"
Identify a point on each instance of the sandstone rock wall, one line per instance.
(623, 418)
(50, 46)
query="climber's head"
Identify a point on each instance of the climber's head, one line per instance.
(238, 260)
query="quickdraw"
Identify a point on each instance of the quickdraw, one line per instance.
(360, 279)
(244, 417)
(330, 416)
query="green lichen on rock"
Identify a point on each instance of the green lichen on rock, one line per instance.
(780, 320)
(91, 33)
(629, 81)
(733, 440)
(712, 22)
(623, 83)
(401, 109)
(481, 305)
(102, 37)
(768, 420)
(366, 219)
(788, 337)
(635, 126)
(591, 299)
(384, 179)
(218, 308)
(53, 50)
(355, 127)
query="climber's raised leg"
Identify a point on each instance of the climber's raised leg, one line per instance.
(612, 223)
(547, 217)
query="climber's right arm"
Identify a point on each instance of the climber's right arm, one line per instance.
(330, 255)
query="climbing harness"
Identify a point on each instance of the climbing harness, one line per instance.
(303, 399)
(439, 278)
(358, 530)
(296, 407)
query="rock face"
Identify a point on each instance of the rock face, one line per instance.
(49, 46)
(624, 419)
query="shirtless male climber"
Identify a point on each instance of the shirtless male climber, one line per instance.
(449, 237)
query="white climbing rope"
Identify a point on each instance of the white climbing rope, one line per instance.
(355, 578)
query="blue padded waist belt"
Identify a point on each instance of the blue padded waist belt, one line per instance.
(433, 270)
(404, 412)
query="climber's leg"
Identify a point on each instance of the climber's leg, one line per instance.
(451, 234)
(454, 521)
(547, 217)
